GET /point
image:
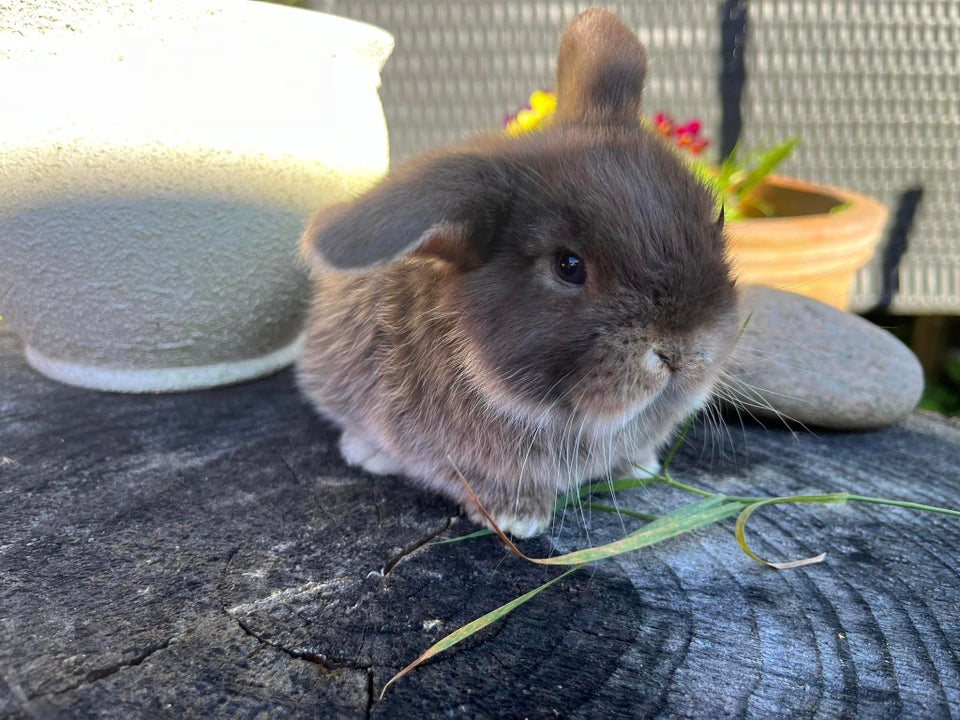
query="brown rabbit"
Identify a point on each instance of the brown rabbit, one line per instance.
(534, 312)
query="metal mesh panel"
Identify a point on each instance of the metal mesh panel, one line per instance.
(871, 86)
(461, 66)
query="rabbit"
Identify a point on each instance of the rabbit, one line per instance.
(531, 312)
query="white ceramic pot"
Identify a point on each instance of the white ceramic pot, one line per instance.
(157, 164)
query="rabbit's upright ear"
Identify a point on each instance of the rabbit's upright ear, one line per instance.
(446, 204)
(600, 71)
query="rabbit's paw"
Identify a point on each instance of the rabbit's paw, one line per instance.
(645, 466)
(515, 523)
(359, 450)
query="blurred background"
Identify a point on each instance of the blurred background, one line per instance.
(870, 87)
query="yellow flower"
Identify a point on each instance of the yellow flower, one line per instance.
(539, 113)
(543, 102)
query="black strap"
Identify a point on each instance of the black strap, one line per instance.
(733, 71)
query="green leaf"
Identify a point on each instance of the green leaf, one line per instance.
(689, 517)
(766, 163)
(461, 538)
(940, 398)
(472, 628)
(951, 367)
(605, 488)
(906, 504)
(626, 512)
(840, 497)
(727, 168)
(740, 529)
(678, 443)
(710, 509)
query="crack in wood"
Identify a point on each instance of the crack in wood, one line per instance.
(326, 663)
(98, 674)
(371, 696)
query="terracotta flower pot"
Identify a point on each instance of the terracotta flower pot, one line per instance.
(818, 239)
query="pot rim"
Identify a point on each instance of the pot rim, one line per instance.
(863, 210)
(149, 34)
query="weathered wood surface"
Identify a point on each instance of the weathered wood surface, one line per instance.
(209, 554)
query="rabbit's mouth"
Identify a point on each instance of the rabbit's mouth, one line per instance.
(609, 413)
(654, 404)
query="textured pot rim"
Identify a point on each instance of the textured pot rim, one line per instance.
(158, 380)
(267, 25)
(863, 211)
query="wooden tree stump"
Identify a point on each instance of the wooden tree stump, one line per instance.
(210, 554)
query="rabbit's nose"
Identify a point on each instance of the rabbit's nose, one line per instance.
(669, 357)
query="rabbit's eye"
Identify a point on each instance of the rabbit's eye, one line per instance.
(570, 267)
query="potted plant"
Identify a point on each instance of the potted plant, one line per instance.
(784, 233)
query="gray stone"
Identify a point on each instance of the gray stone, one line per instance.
(806, 362)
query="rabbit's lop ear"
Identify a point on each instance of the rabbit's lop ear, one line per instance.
(600, 71)
(446, 204)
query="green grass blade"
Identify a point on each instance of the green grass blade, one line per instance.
(740, 529)
(766, 164)
(473, 627)
(904, 504)
(605, 488)
(727, 169)
(675, 448)
(469, 536)
(689, 517)
(756, 504)
(626, 512)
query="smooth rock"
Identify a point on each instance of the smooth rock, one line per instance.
(806, 362)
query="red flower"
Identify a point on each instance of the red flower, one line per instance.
(663, 123)
(691, 128)
(699, 145)
(686, 137)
